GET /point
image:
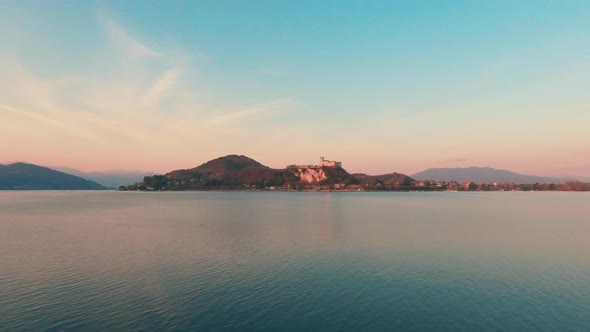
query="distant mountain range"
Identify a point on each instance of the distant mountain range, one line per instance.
(482, 175)
(23, 176)
(111, 179)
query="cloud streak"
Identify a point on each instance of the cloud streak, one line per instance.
(123, 40)
(162, 87)
(268, 108)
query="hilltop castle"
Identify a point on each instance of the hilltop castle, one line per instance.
(329, 163)
(323, 163)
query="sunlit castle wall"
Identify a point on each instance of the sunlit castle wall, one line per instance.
(329, 163)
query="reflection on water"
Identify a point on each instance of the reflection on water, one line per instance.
(294, 261)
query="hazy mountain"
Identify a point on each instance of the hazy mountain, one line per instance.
(112, 179)
(482, 175)
(23, 176)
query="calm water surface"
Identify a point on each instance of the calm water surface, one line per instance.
(98, 261)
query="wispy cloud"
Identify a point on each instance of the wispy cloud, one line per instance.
(140, 113)
(123, 39)
(162, 87)
(272, 107)
(35, 116)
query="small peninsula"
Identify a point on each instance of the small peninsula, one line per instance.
(238, 172)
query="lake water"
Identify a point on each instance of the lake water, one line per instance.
(98, 261)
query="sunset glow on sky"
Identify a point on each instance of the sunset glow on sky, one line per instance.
(381, 86)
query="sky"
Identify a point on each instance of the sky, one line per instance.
(382, 86)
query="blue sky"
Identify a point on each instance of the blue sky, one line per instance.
(382, 86)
